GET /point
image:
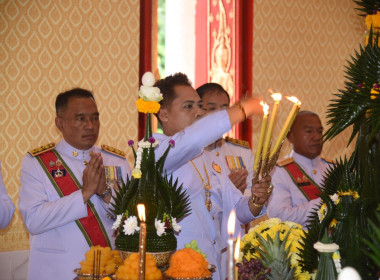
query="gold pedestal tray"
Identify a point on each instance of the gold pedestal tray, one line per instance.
(161, 258)
(89, 276)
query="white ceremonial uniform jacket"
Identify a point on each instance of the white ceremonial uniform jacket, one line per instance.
(228, 197)
(6, 206)
(287, 202)
(225, 150)
(56, 243)
(199, 225)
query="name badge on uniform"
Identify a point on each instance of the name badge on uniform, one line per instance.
(113, 176)
(235, 162)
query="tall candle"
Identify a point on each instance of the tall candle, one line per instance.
(236, 256)
(262, 134)
(142, 241)
(230, 246)
(288, 123)
(268, 136)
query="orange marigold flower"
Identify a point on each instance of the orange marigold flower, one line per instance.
(147, 106)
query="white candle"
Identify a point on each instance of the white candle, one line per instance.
(230, 246)
(142, 241)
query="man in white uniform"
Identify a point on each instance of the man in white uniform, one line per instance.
(235, 155)
(298, 178)
(179, 114)
(65, 191)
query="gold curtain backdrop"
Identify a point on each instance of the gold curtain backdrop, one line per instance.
(50, 46)
(300, 48)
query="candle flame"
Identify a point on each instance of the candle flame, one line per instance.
(265, 108)
(237, 249)
(231, 223)
(275, 95)
(293, 99)
(141, 212)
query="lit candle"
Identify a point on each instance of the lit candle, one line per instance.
(230, 246)
(236, 256)
(268, 136)
(262, 134)
(142, 241)
(288, 123)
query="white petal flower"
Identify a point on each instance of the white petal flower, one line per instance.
(116, 224)
(334, 198)
(130, 225)
(176, 227)
(160, 227)
(150, 93)
(148, 79)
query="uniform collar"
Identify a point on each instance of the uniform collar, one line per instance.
(73, 153)
(302, 160)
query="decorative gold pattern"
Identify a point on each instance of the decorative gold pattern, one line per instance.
(51, 46)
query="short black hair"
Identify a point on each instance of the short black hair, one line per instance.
(167, 85)
(63, 98)
(212, 88)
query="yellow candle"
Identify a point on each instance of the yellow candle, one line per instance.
(268, 135)
(288, 123)
(236, 256)
(262, 134)
(142, 241)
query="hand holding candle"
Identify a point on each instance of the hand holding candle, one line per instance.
(262, 134)
(268, 136)
(230, 248)
(142, 241)
(288, 123)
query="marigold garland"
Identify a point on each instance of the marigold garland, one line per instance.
(336, 198)
(147, 106)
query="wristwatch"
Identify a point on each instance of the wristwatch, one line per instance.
(106, 193)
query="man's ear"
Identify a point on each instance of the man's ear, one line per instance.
(290, 137)
(58, 123)
(163, 115)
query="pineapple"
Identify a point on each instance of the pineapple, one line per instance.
(275, 256)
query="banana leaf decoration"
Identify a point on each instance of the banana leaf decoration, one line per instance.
(163, 198)
(356, 106)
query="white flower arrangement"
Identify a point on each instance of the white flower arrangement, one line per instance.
(116, 224)
(147, 91)
(136, 172)
(176, 227)
(160, 227)
(130, 225)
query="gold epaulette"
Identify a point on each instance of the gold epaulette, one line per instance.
(285, 161)
(328, 160)
(113, 151)
(42, 149)
(241, 143)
